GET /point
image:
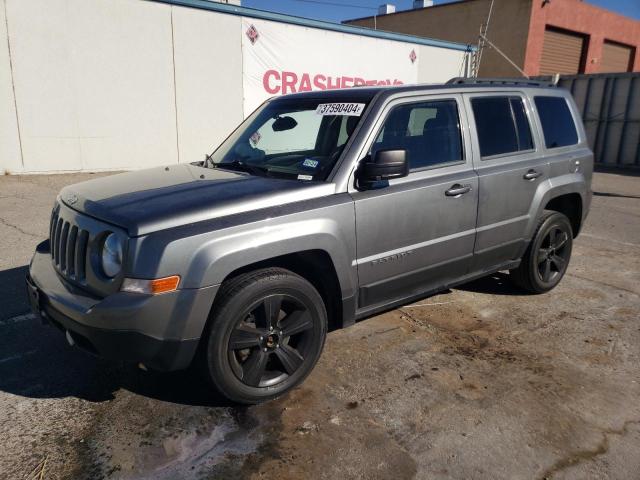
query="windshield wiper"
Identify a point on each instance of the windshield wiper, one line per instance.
(241, 166)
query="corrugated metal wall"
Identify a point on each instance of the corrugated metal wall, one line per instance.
(610, 106)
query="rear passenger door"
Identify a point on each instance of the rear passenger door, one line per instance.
(510, 167)
(417, 233)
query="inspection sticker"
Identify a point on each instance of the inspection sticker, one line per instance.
(308, 162)
(350, 109)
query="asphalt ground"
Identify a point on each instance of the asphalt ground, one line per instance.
(480, 382)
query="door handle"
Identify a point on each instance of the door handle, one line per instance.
(532, 175)
(457, 190)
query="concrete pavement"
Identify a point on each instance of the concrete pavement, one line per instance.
(479, 382)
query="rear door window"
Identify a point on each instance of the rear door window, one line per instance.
(502, 125)
(557, 122)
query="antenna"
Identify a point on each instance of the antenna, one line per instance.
(504, 55)
(482, 37)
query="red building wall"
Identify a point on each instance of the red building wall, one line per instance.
(598, 24)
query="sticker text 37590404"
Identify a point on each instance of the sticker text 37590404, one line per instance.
(350, 109)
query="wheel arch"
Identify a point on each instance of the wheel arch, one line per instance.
(569, 204)
(317, 267)
(566, 194)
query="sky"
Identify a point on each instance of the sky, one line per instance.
(338, 10)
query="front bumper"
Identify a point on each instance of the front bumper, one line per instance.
(160, 331)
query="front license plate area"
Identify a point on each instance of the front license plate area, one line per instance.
(35, 300)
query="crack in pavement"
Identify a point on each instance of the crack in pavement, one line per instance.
(604, 239)
(600, 282)
(579, 456)
(24, 232)
(23, 179)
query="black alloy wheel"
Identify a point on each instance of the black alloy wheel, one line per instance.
(271, 340)
(547, 257)
(553, 254)
(264, 335)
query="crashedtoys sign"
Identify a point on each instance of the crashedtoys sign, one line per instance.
(280, 59)
(275, 82)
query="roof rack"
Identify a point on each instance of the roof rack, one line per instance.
(499, 81)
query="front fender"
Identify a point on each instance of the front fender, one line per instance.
(220, 256)
(204, 254)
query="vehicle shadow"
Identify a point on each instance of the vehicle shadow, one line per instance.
(497, 283)
(37, 362)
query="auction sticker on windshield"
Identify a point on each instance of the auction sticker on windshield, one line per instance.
(350, 109)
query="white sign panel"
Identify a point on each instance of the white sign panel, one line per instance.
(280, 59)
(348, 109)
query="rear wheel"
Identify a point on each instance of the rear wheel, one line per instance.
(547, 257)
(266, 335)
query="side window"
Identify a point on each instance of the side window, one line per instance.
(428, 131)
(502, 125)
(525, 142)
(557, 122)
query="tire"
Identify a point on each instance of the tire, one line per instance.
(264, 336)
(547, 256)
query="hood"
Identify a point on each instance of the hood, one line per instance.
(145, 201)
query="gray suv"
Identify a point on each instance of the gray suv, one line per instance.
(320, 209)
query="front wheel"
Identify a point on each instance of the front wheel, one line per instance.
(266, 335)
(547, 257)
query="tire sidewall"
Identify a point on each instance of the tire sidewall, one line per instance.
(226, 318)
(554, 220)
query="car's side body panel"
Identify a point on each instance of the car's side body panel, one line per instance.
(505, 195)
(570, 167)
(411, 235)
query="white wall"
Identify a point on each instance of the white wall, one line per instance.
(94, 83)
(10, 156)
(437, 65)
(208, 58)
(125, 84)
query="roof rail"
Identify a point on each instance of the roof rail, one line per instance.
(499, 81)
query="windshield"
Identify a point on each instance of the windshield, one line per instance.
(290, 138)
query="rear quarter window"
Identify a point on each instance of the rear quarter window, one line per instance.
(557, 122)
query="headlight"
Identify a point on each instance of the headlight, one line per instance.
(112, 255)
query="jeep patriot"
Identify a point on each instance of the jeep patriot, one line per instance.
(320, 209)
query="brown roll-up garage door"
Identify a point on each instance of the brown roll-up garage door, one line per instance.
(615, 57)
(561, 52)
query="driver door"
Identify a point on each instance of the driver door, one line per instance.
(413, 234)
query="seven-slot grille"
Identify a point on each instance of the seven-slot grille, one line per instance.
(68, 247)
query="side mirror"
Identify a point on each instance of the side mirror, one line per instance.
(385, 165)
